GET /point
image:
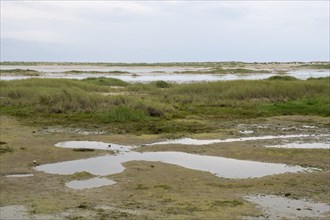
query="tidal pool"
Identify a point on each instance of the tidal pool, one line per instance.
(190, 141)
(94, 145)
(302, 145)
(89, 183)
(219, 166)
(277, 207)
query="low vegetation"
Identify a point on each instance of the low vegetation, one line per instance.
(316, 66)
(161, 106)
(5, 149)
(24, 72)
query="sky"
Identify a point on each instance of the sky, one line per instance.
(165, 31)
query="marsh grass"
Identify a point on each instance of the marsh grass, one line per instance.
(158, 105)
(81, 175)
(316, 66)
(24, 72)
(284, 78)
(123, 114)
(102, 81)
(220, 70)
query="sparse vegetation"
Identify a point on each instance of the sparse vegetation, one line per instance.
(5, 149)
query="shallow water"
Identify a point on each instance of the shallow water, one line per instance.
(305, 74)
(190, 141)
(219, 166)
(277, 207)
(90, 183)
(302, 145)
(19, 175)
(170, 77)
(94, 145)
(147, 77)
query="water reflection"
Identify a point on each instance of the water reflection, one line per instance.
(219, 166)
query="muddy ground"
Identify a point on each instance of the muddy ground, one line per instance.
(153, 190)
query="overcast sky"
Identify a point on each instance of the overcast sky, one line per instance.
(164, 31)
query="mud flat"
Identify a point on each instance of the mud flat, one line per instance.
(89, 183)
(277, 207)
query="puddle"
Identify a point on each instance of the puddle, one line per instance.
(302, 145)
(277, 207)
(93, 145)
(19, 175)
(246, 132)
(309, 126)
(219, 166)
(190, 141)
(112, 164)
(90, 183)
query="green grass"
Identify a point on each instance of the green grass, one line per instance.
(285, 78)
(160, 107)
(124, 114)
(102, 81)
(315, 106)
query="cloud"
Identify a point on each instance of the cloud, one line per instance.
(36, 36)
(164, 30)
